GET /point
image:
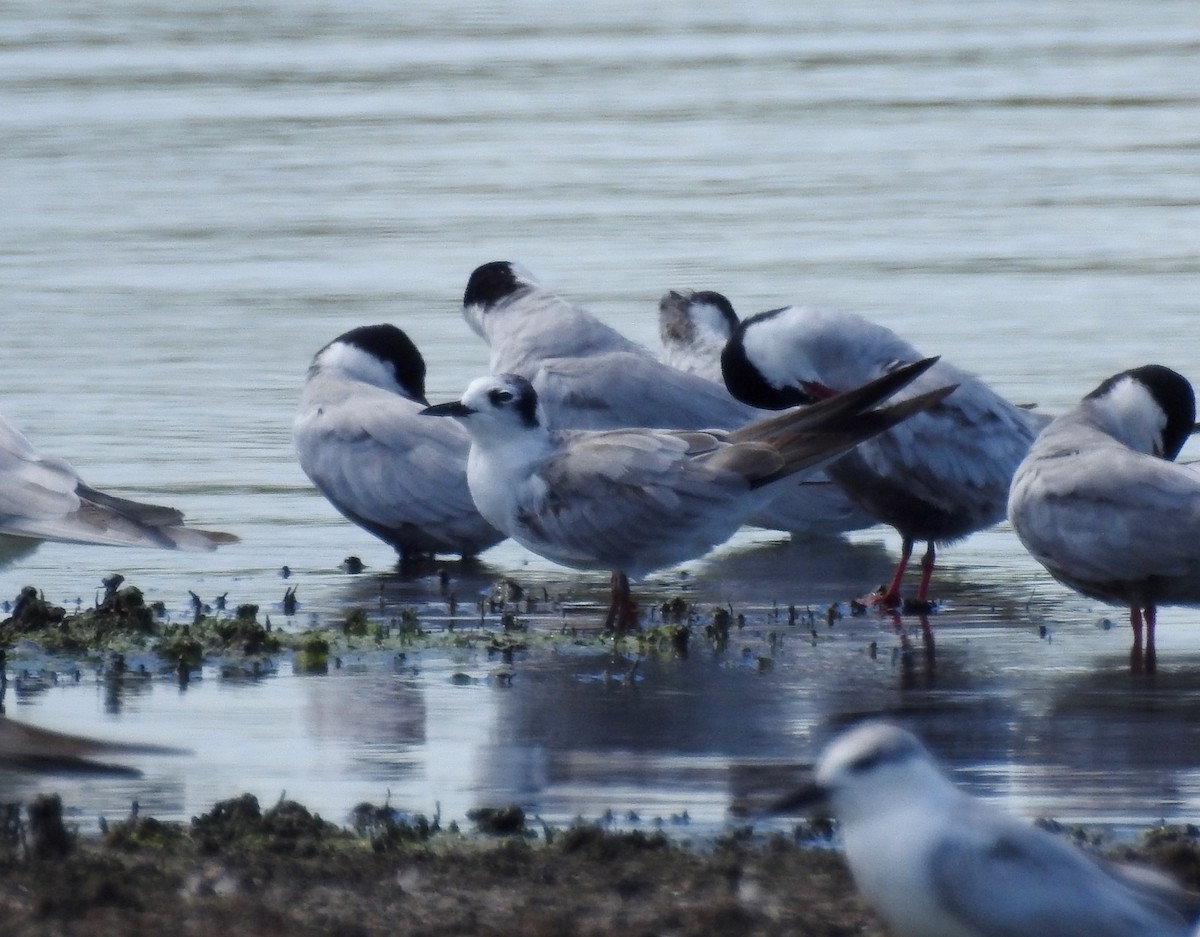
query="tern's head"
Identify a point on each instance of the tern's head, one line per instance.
(496, 407)
(801, 354)
(1151, 409)
(688, 318)
(492, 286)
(870, 769)
(375, 354)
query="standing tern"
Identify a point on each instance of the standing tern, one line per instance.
(359, 440)
(42, 498)
(589, 376)
(938, 477)
(935, 862)
(635, 500)
(1101, 504)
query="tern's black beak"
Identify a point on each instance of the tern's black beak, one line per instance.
(454, 408)
(802, 800)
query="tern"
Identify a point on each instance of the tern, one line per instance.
(694, 328)
(589, 376)
(938, 477)
(635, 500)
(1101, 504)
(359, 439)
(43, 498)
(936, 862)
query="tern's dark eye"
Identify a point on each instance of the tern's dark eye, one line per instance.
(499, 396)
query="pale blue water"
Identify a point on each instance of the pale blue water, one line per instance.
(195, 197)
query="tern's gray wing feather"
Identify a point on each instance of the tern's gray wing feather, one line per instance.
(45, 499)
(959, 454)
(1091, 505)
(1003, 878)
(635, 500)
(624, 388)
(398, 474)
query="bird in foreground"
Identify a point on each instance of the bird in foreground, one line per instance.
(1101, 504)
(694, 328)
(936, 862)
(43, 498)
(635, 500)
(360, 440)
(936, 478)
(589, 376)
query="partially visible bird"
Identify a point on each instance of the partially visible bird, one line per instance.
(589, 376)
(43, 498)
(29, 748)
(935, 862)
(359, 439)
(1101, 504)
(938, 477)
(634, 500)
(694, 328)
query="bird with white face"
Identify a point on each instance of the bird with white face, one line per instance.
(589, 376)
(1101, 504)
(360, 440)
(935, 862)
(635, 500)
(42, 498)
(936, 478)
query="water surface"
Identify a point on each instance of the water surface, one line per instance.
(198, 197)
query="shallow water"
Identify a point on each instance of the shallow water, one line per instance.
(197, 197)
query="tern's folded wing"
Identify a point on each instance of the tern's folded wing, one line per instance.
(1012, 880)
(376, 458)
(621, 389)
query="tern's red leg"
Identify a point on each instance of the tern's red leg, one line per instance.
(927, 562)
(1135, 622)
(891, 598)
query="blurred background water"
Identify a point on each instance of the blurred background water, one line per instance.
(195, 197)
